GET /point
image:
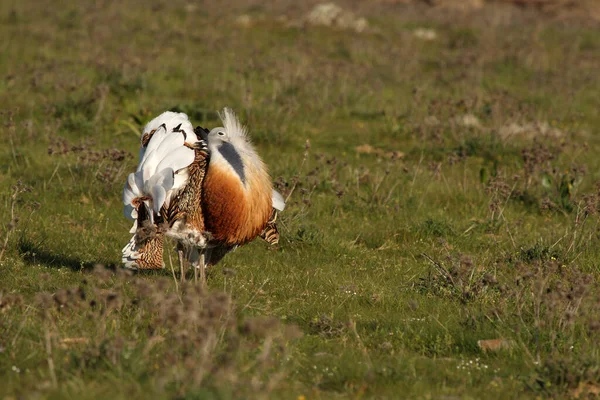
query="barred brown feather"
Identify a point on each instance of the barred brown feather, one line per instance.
(271, 234)
(187, 204)
(151, 253)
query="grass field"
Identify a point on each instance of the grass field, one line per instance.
(441, 193)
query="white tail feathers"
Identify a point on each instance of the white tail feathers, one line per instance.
(170, 120)
(162, 165)
(278, 201)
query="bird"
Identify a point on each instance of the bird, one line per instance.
(209, 191)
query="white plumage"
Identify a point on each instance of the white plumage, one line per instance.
(278, 201)
(161, 171)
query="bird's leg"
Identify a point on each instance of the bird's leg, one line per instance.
(181, 268)
(202, 270)
(196, 272)
(198, 258)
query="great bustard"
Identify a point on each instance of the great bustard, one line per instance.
(208, 190)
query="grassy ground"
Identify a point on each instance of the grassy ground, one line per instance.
(449, 194)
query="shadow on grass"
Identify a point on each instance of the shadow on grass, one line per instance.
(35, 253)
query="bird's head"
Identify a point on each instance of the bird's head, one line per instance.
(217, 136)
(232, 132)
(230, 143)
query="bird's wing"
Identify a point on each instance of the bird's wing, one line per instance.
(186, 204)
(145, 255)
(145, 248)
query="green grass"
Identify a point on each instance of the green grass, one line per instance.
(390, 268)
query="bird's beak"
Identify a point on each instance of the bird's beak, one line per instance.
(201, 133)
